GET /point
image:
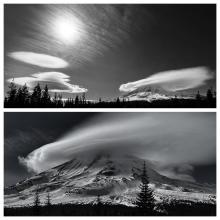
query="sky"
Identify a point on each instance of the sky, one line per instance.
(108, 50)
(35, 142)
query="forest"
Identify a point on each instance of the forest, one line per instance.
(22, 97)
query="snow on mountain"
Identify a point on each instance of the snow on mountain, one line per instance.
(115, 178)
(150, 95)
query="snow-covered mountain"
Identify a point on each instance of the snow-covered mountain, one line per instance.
(115, 178)
(152, 95)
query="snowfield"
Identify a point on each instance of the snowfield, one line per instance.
(115, 179)
(150, 96)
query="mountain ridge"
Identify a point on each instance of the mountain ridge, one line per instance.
(115, 178)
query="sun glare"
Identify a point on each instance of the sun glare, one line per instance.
(67, 30)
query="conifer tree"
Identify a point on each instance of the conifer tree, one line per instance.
(77, 100)
(45, 96)
(12, 93)
(36, 203)
(22, 96)
(36, 199)
(48, 202)
(84, 98)
(209, 95)
(145, 198)
(36, 96)
(19, 97)
(25, 93)
(198, 96)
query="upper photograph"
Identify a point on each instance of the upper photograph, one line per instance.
(110, 56)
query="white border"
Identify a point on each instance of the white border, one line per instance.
(99, 109)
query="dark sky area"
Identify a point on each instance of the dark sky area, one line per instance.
(25, 132)
(164, 137)
(97, 48)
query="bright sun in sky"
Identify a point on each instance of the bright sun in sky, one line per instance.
(67, 30)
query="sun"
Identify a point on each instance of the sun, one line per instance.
(67, 30)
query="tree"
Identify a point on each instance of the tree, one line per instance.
(19, 97)
(145, 199)
(48, 202)
(198, 96)
(25, 93)
(54, 100)
(12, 93)
(45, 96)
(36, 96)
(36, 202)
(118, 101)
(60, 101)
(36, 199)
(77, 100)
(84, 98)
(209, 95)
(22, 97)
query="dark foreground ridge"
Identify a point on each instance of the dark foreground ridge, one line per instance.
(175, 208)
(40, 98)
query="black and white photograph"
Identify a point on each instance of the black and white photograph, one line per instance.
(109, 163)
(110, 55)
(109, 109)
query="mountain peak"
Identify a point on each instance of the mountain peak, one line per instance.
(114, 177)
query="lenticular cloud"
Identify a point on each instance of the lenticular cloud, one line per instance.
(37, 59)
(162, 137)
(173, 80)
(58, 78)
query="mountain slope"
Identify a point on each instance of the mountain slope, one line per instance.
(150, 95)
(115, 178)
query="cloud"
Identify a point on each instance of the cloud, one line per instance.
(96, 28)
(164, 138)
(37, 59)
(173, 80)
(52, 77)
(177, 171)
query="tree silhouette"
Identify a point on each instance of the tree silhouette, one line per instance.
(36, 199)
(84, 98)
(198, 96)
(48, 201)
(77, 100)
(19, 97)
(209, 95)
(36, 95)
(12, 93)
(36, 202)
(22, 97)
(145, 199)
(60, 101)
(117, 100)
(45, 96)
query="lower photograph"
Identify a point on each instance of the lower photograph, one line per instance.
(109, 164)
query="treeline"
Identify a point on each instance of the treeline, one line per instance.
(145, 203)
(175, 208)
(22, 97)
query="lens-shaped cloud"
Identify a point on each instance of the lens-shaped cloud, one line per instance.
(166, 138)
(37, 59)
(173, 80)
(50, 77)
